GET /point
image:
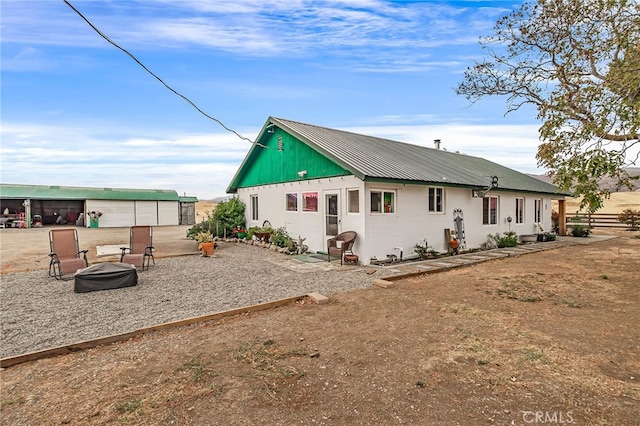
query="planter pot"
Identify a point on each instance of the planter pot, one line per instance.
(242, 235)
(207, 249)
(529, 238)
(263, 236)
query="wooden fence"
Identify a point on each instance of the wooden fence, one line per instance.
(595, 220)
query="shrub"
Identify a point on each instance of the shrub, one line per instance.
(281, 238)
(555, 221)
(579, 230)
(630, 217)
(422, 249)
(227, 216)
(508, 239)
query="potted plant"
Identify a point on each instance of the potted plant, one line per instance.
(205, 242)
(94, 218)
(240, 232)
(264, 233)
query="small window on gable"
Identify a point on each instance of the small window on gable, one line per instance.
(292, 202)
(353, 201)
(436, 200)
(383, 201)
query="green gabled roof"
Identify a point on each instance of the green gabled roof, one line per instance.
(188, 199)
(54, 192)
(384, 160)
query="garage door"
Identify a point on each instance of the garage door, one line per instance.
(146, 213)
(168, 213)
(114, 213)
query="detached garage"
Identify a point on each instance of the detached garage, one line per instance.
(118, 207)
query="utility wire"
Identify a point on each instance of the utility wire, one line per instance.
(189, 101)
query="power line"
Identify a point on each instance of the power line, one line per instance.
(189, 101)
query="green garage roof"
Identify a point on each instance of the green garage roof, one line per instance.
(54, 192)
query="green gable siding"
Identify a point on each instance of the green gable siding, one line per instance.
(281, 160)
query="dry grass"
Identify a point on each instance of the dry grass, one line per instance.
(618, 202)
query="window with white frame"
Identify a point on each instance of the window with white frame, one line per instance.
(519, 210)
(254, 207)
(436, 200)
(383, 201)
(537, 210)
(309, 201)
(353, 201)
(292, 202)
(490, 210)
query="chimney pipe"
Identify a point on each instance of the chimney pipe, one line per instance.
(436, 142)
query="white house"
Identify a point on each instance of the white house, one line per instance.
(317, 182)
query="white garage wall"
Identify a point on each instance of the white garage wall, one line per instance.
(118, 213)
(146, 213)
(115, 213)
(168, 213)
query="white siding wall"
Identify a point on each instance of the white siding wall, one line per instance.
(309, 225)
(168, 213)
(380, 233)
(116, 213)
(146, 213)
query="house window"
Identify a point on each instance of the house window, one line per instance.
(519, 210)
(309, 201)
(490, 210)
(436, 197)
(254, 207)
(537, 210)
(292, 202)
(383, 202)
(353, 201)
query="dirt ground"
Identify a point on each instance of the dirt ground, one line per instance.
(544, 338)
(28, 249)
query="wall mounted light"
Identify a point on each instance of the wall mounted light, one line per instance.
(302, 173)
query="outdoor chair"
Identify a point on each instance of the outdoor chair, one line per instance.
(66, 256)
(140, 250)
(341, 244)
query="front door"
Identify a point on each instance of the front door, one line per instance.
(331, 214)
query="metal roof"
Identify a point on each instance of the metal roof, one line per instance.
(378, 159)
(54, 192)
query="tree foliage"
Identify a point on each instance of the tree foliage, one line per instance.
(578, 63)
(226, 216)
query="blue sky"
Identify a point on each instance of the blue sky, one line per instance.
(77, 111)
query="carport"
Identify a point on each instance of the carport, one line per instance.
(118, 207)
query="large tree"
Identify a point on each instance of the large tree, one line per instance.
(578, 63)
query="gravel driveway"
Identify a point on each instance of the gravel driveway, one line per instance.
(39, 312)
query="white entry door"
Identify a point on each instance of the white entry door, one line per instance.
(331, 213)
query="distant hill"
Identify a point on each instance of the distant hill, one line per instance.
(606, 183)
(220, 199)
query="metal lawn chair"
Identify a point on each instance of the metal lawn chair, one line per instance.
(66, 256)
(140, 250)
